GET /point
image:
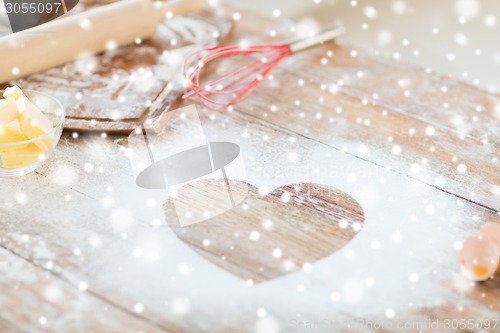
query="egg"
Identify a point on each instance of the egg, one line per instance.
(479, 258)
(491, 230)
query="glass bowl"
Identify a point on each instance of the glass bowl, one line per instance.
(20, 158)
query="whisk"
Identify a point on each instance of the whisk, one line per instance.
(237, 84)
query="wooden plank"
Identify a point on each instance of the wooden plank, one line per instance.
(33, 300)
(361, 73)
(125, 83)
(84, 216)
(144, 280)
(298, 224)
(354, 103)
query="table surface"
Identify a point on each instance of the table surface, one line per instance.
(409, 154)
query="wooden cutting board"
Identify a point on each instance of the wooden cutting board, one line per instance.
(116, 91)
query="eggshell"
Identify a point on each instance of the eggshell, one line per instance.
(479, 258)
(491, 230)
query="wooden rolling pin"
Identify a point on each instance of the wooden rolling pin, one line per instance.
(93, 31)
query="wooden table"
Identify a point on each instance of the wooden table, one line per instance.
(413, 155)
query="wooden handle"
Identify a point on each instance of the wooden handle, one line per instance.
(63, 40)
(322, 36)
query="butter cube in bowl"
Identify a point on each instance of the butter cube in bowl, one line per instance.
(31, 124)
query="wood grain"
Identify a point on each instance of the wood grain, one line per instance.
(357, 104)
(51, 304)
(83, 215)
(296, 224)
(92, 265)
(130, 84)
